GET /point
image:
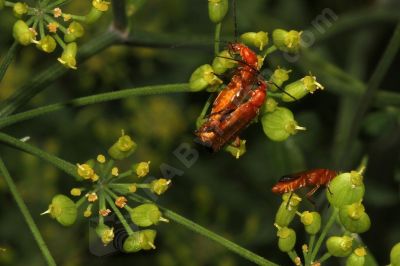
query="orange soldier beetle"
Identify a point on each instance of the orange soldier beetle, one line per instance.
(312, 178)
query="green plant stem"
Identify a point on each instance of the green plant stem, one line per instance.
(325, 230)
(65, 166)
(93, 99)
(247, 254)
(7, 59)
(293, 256)
(119, 214)
(270, 50)
(326, 256)
(307, 258)
(376, 79)
(199, 120)
(55, 4)
(27, 216)
(43, 79)
(80, 201)
(120, 17)
(217, 35)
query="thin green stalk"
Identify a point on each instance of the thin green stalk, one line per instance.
(217, 36)
(7, 59)
(55, 4)
(294, 257)
(120, 17)
(119, 214)
(102, 206)
(93, 99)
(27, 216)
(199, 120)
(270, 50)
(307, 258)
(65, 166)
(376, 79)
(326, 256)
(247, 254)
(120, 176)
(80, 201)
(325, 230)
(46, 77)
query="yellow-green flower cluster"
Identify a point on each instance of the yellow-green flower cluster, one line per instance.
(48, 26)
(105, 190)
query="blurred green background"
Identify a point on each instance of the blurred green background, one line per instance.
(231, 197)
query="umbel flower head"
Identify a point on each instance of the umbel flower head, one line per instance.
(46, 25)
(104, 191)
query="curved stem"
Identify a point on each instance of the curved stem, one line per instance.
(65, 166)
(93, 99)
(321, 238)
(245, 253)
(27, 216)
(7, 59)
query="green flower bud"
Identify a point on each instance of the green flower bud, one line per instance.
(354, 218)
(345, 189)
(311, 221)
(339, 246)
(203, 77)
(257, 39)
(357, 258)
(140, 240)
(269, 105)
(93, 15)
(279, 124)
(287, 238)
(100, 5)
(22, 33)
(237, 151)
(74, 31)
(395, 255)
(123, 148)
(63, 209)
(221, 64)
(279, 76)
(301, 88)
(20, 9)
(146, 215)
(217, 10)
(105, 233)
(159, 186)
(47, 44)
(287, 41)
(287, 210)
(68, 56)
(141, 169)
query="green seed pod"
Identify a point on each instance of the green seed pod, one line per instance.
(301, 88)
(311, 221)
(74, 31)
(354, 218)
(279, 124)
(22, 33)
(123, 148)
(202, 78)
(269, 106)
(357, 258)
(217, 10)
(279, 76)
(345, 189)
(257, 39)
(93, 15)
(68, 56)
(287, 211)
(20, 9)
(47, 44)
(395, 255)
(63, 209)
(105, 233)
(287, 239)
(145, 215)
(133, 243)
(159, 186)
(339, 246)
(287, 41)
(141, 169)
(221, 64)
(237, 151)
(148, 239)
